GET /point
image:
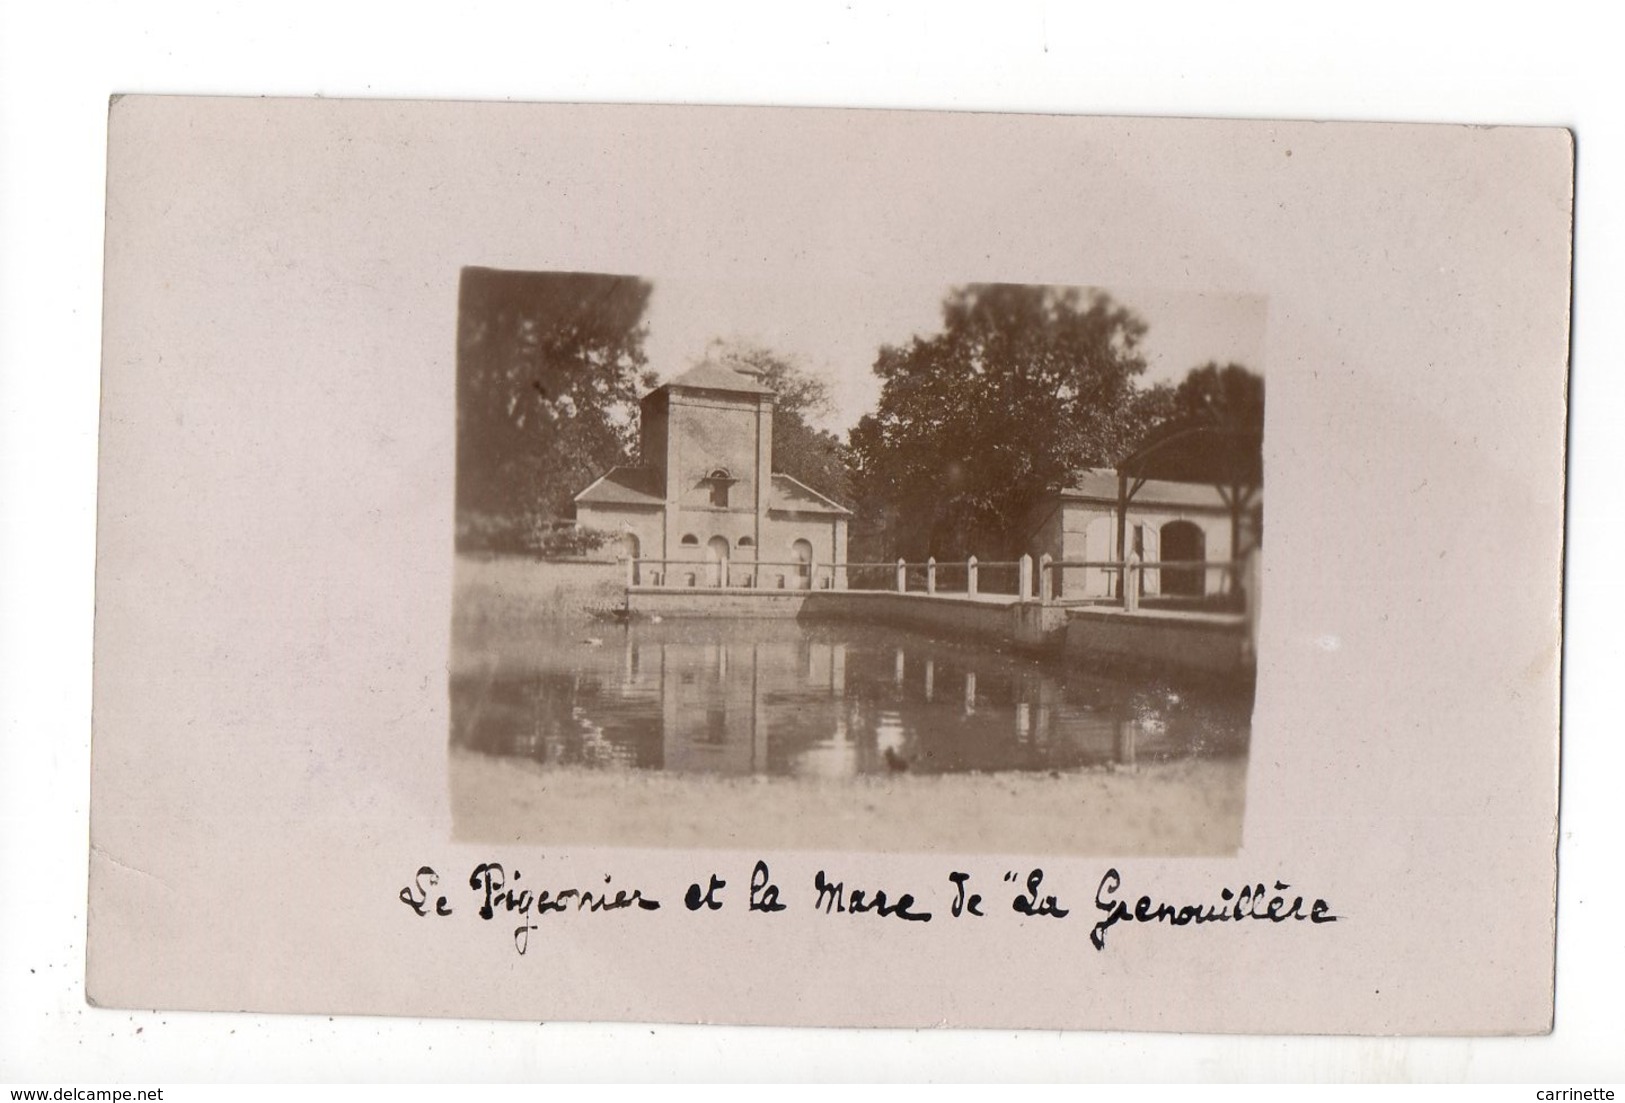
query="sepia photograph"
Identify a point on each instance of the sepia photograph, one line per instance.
(891, 568)
(523, 527)
(690, 565)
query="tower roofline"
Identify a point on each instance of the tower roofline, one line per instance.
(709, 376)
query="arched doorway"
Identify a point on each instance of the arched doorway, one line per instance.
(1183, 541)
(802, 552)
(716, 554)
(631, 549)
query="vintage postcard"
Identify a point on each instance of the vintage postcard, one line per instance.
(811, 567)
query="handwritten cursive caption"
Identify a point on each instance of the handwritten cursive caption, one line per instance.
(496, 894)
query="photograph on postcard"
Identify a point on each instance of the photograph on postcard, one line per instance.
(876, 568)
(532, 538)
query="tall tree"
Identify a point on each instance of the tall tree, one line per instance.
(1024, 386)
(813, 456)
(549, 366)
(1229, 397)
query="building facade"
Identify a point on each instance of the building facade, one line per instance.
(1166, 522)
(706, 508)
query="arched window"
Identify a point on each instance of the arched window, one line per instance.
(690, 540)
(716, 550)
(802, 552)
(721, 481)
(1183, 542)
(746, 542)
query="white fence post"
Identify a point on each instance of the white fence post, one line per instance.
(902, 575)
(1131, 584)
(970, 576)
(1025, 578)
(1046, 579)
(931, 574)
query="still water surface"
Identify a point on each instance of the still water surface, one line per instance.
(825, 700)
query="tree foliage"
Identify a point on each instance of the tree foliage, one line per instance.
(549, 367)
(813, 456)
(1024, 386)
(1209, 397)
(1228, 397)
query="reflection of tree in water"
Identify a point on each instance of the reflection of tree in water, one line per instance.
(551, 717)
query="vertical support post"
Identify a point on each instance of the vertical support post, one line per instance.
(970, 576)
(902, 575)
(1046, 579)
(1237, 503)
(1025, 578)
(931, 574)
(1122, 533)
(1131, 583)
(839, 558)
(762, 476)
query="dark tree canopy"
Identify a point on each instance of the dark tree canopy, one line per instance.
(549, 368)
(1212, 430)
(1228, 397)
(814, 456)
(1024, 386)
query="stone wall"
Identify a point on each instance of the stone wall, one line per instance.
(709, 431)
(1213, 644)
(1209, 643)
(703, 602)
(982, 620)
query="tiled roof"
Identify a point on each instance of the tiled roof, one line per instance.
(798, 497)
(1102, 486)
(639, 486)
(715, 377)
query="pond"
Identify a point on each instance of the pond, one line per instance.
(789, 698)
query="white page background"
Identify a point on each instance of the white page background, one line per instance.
(1383, 62)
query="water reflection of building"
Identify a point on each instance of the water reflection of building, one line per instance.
(754, 708)
(719, 701)
(758, 700)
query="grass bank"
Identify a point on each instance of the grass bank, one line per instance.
(517, 590)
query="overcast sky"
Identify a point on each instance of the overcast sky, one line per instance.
(834, 331)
